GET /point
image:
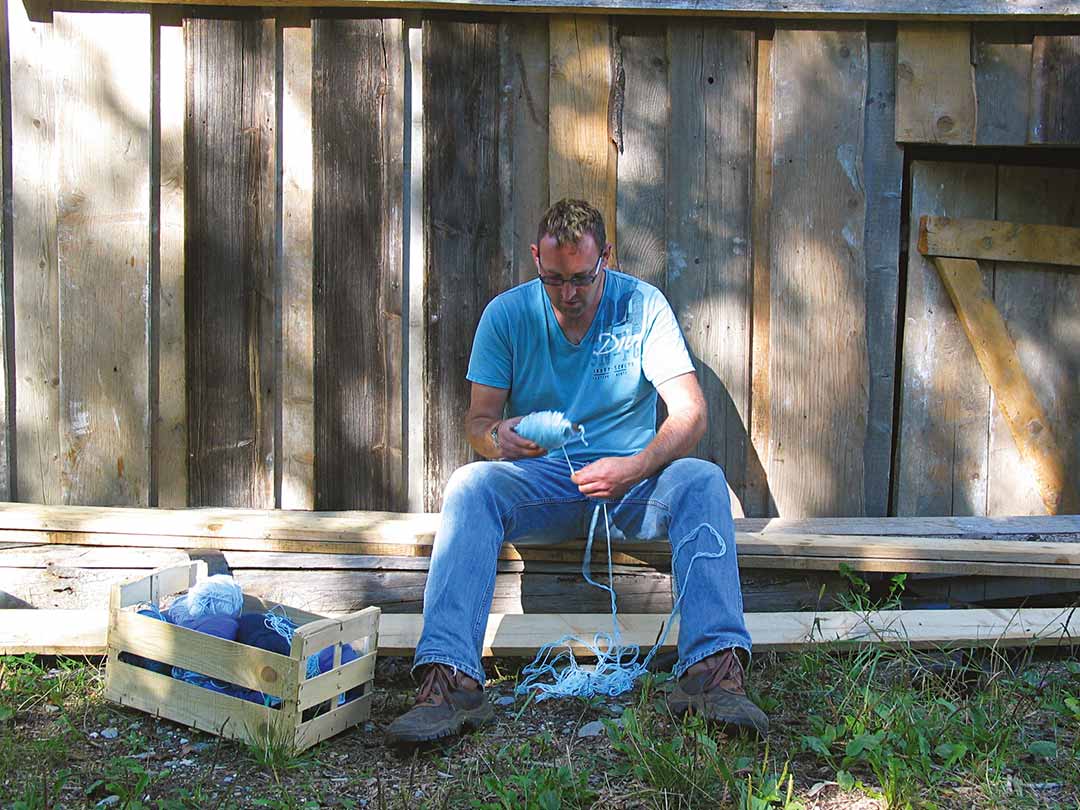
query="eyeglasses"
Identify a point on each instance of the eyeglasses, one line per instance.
(577, 280)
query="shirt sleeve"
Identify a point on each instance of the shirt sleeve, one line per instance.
(491, 362)
(664, 354)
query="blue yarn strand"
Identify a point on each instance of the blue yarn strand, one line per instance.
(618, 666)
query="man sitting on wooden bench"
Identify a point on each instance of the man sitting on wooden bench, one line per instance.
(597, 345)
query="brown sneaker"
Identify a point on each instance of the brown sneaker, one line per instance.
(714, 688)
(446, 702)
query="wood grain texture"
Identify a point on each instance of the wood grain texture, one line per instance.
(709, 274)
(34, 271)
(416, 441)
(642, 212)
(103, 238)
(818, 366)
(935, 84)
(465, 264)
(297, 273)
(941, 459)
(171, 450)
(1055, 100)
(883, 177)
(7, 423)
(757, 499)
(864, 9)
(997, 240)
(527, 591)
(359, 292)
(581, 157)
(83, 632)
(1012, 390)
(37, 524)
(1039, 305)
(523, 64)
(229, 151)
(1002, 80)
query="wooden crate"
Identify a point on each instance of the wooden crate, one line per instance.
(283, 676)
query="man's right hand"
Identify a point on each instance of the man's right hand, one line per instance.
(513, 446)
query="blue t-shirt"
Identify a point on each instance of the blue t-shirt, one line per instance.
(606, 383)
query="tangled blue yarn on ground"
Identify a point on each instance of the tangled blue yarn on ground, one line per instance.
(618, 666)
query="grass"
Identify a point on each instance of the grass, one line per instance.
(892, 728)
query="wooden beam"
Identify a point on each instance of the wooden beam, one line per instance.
(999, 241)
(60, 632)
(813, 9)
(1055, 71)
(996, 353)
(784, 550)
(35, 522)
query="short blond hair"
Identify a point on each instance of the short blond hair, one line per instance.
(567, 221)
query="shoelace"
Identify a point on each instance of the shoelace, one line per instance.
(728, 669)
(436, 684)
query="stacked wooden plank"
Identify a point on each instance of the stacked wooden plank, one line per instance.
(66, 557)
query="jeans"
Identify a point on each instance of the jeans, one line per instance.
(490, 502)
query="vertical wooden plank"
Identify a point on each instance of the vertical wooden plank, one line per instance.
(33, 267)
(416, 443)
(818, 366)
(1039, 305)
(758, 501)
(230, 150)
(883, 173)
(523, 42)
(358, 120)
(582, 159)
(710, 153)
(641, 209)
(1055, 99)
(465, 263)
(103, 236)
(172, 437)
(941, 461)
(935, 87)
(1002, 82)
(297, 249)
(6, 334)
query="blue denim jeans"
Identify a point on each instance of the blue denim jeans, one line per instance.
(488, 503)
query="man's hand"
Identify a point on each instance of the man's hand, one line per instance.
(609, 478)
(513, 446)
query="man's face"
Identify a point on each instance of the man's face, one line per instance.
(583, 263)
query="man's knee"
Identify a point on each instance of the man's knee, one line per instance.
(469, 481)
(696, 477)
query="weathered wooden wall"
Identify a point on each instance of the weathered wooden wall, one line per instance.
(246, 252)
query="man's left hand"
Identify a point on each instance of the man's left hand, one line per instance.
(609, 478)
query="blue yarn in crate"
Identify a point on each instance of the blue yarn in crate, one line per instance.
(219, 595)
(147, 663)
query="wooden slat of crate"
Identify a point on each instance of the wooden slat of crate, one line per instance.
(217, 658)
(333, 722)
(321, 634)
(315, 690)
(203, 709)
